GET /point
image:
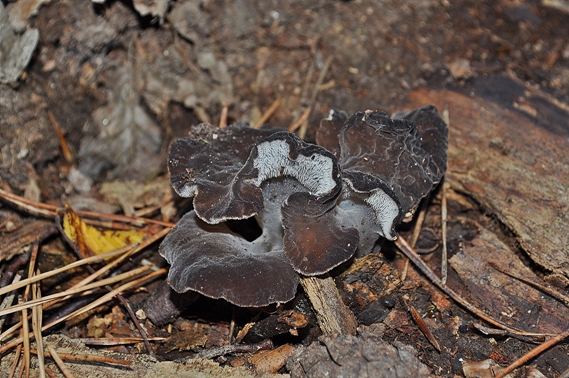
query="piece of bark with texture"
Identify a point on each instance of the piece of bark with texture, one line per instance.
(508, 148)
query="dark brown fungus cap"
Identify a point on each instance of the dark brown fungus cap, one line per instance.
(218, 263)
(224, 169)
(316, 239)
(329, 130)
(407, 154)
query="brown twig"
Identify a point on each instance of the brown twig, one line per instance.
(17, 356)
(26, 340)
(51, 211)
(533, 353)
(268, 114)
(315, 92)
(303, 118)
(116, 340)
(416, 232)
(36, 326)
(87, 358)
(235, 348)
(62, 142)
(414, 257)
(444, 257)
(223, 117)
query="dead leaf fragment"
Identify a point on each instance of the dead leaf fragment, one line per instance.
(481, 369)
(21, 10)
(271, 361)
(15, 50)
(122, 136)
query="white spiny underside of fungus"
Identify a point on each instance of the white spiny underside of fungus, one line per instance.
(314, 172)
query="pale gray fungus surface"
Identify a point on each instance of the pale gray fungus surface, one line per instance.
(317, 205)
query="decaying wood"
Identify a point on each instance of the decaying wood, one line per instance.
(508, 150)
(334, 318)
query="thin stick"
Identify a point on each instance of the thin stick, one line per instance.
(26, 341)
(444, 257)
(52, 211)
(110, 295)
(16, 360)
(268, 114)
(75, 290)
(414, 257)
(60, 364)
(316, 91)
(7, 302)
(303, 118)
(116, 340)
(73, 265)
(88, 358)
(223, 117)
(50, 372)
(416, 232)
(533, 353)
(553, 293)
(94, 304)
(62, 142)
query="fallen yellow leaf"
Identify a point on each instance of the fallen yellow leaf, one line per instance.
(92, 241)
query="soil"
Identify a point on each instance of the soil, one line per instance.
(102, 64)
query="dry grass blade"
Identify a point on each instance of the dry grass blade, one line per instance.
(60, 364)
(76, 290)
(109, 296)
(424, 327)
(300, 121)
(317, 88)
(414, 257)
(92, 305)
(223, 117)
(36, 326)
(26, 341)
(16, 360)
(533, 353)
(416, 232)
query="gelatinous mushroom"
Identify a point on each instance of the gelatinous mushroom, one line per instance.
(317, 205)
(239, 172)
